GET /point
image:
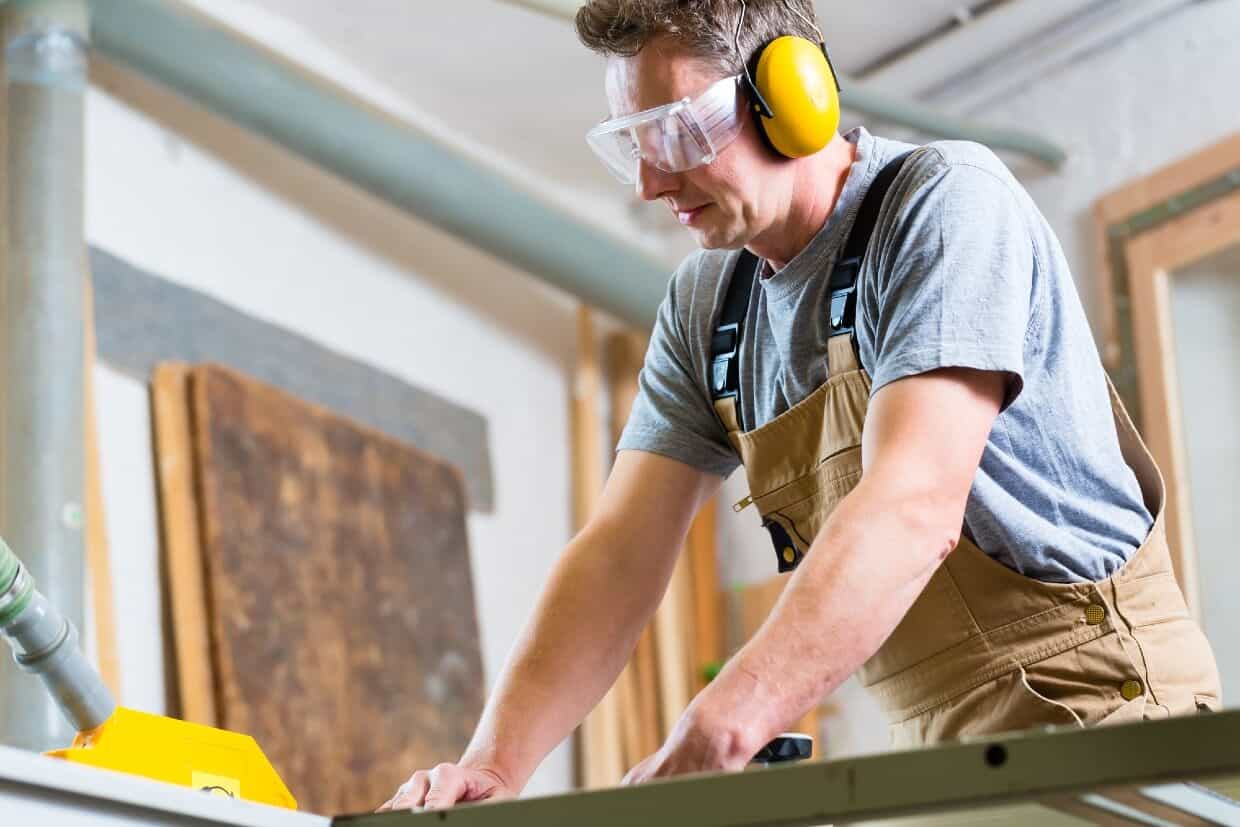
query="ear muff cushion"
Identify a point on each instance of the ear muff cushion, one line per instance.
(796, 81)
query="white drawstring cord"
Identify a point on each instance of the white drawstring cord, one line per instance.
(1024, 678)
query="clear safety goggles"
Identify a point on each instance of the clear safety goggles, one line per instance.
(675, 137)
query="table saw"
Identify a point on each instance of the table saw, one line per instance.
(1172, 772)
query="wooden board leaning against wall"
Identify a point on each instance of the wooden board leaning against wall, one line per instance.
(319, 584)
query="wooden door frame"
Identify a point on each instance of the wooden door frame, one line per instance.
(1145, 231)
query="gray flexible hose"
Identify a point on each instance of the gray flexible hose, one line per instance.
(46, 645)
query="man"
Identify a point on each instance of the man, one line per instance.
(899, 358)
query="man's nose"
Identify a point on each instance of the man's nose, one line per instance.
(652, 183)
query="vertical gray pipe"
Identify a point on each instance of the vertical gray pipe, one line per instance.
(41, 478)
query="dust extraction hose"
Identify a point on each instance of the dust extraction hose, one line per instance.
(46, 644)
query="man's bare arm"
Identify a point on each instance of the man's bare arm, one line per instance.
(923, 440)
(601, 592)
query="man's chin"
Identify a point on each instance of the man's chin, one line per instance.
(713, 238)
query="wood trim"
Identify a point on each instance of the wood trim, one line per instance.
(1167, 182)
(601, 759)
(98, 560)
(185, 586)
(707, 602)
(1140, 195)
(1193, 236)
(674, 648)
(1151, 258)
(638, 684)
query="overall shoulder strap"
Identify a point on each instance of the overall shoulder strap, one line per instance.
(725, 343)
(843, 282)
(729, 330)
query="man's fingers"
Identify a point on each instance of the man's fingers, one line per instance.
(638, 773)
(447, 786)
(410, 794)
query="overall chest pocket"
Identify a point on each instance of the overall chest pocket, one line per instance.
(802, 506)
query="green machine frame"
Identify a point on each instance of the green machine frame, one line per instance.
(1173, 772)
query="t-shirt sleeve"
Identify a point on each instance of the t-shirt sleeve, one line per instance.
(957, 291)
(672, 414)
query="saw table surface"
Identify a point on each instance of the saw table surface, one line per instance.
(47, 792)
(1162, 773)
(1174, 772)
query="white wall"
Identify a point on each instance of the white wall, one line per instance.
(283, 241)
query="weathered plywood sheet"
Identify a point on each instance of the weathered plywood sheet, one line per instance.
(342, 614)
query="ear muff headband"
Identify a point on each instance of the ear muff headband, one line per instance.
(794, 95)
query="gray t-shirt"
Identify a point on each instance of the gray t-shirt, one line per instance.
(962, 271)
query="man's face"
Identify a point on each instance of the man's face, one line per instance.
(724, 204)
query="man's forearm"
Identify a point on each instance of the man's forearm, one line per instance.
(866, 567)
(580, 636)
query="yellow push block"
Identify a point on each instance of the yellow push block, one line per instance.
(212, 760)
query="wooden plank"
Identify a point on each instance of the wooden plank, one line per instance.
(707, 603)
(601, 739)
(340, 593)
(674, 646)
(98, 561)
(190, 668)
(674, 639)
(638, 684)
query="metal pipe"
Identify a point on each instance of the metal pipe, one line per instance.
(226, 73)
(930, 121)
(863, 98)
(41, 449)
(974, 47)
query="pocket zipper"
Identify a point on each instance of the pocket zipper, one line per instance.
(742, 504)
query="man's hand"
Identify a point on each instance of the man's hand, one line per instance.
(446, 785)
(700, 742)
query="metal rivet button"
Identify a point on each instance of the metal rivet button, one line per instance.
(1131, 689)
(789, 554)
(1095, 614)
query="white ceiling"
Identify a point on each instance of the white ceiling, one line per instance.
(517, 81)
(516, 84)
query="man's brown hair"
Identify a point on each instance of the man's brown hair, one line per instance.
(703, 28)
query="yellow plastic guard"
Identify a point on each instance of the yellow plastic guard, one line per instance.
(212, 760)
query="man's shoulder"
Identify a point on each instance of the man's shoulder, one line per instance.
(958, 163)
(699, 285)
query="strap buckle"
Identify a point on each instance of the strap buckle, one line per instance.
(724, 369)
(843, 310)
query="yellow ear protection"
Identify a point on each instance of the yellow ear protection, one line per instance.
(793, 93)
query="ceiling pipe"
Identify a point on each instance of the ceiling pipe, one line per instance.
(862, 98)
(237, 78)
(967, 49)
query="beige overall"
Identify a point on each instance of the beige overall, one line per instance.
(985, 649)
